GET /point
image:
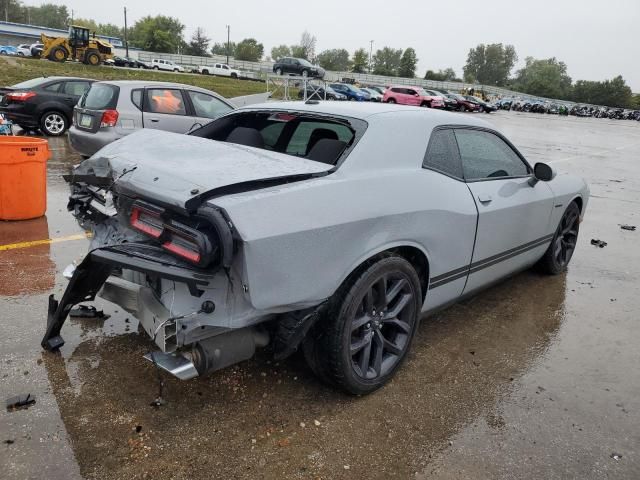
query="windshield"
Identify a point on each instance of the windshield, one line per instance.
(34, 82)
(423, 93)
(304, 63)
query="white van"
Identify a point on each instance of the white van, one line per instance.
(158, 64)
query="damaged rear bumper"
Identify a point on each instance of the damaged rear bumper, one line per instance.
(91, 274)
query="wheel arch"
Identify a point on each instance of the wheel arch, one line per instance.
(414, 253)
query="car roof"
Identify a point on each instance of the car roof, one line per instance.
(369, 111)
(154, 83)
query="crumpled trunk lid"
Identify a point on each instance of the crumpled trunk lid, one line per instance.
(183, 171)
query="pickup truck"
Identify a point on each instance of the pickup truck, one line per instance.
(219, 69)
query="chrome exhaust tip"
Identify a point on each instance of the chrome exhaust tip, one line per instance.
(176, 364)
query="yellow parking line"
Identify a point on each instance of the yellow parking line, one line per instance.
(46, 241)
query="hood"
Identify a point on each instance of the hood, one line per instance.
(183, 171)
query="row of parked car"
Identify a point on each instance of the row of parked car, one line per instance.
(542, 106)
(401, 94)
(22, 50)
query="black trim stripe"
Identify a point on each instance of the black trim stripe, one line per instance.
(462, 272)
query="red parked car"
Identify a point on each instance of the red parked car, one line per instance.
(412, 96)
(464, 104)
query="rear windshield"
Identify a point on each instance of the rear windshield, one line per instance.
(101, 96)
(312, 136)
(34, 82)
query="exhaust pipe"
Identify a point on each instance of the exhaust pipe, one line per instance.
(215, 353)
(211, 354)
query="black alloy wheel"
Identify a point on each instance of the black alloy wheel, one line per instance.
(558, 255)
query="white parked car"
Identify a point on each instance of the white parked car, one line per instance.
(24, 50)
(158, 64)
(220, 69)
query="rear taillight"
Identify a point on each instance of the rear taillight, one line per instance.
(20, 96)
(109, 118)
(183, 241)
(147, 220)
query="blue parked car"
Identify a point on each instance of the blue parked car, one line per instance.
(351, 92)
(8, 50)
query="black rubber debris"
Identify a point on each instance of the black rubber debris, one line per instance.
(631, 228)
(20, 402)
(84, 311)
(598, 243)
(9, 441)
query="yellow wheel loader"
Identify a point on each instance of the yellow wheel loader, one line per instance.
(79, 45)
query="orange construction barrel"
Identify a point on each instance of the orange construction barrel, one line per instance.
(23, 177)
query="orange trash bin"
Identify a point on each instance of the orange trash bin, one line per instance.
(23, 177)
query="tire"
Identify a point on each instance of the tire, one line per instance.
(156, 68)
(558, 255)
(391, 100)
(140, 66)
(205, 72)
(20, 54)
(461, 108)
(54, 123)
(278, 71)
(234, 75)
(367, 331)
(92, 58)
(305, 73)
(58, 54)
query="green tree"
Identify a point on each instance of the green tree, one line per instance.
(336, 60)
(408, 63)
(612, 93)
(157, 34)
(545, 78)
(490, 64)
(635, 102)
(199, 44)
(107, 29)
(279, 52)
(360, 61)
(298, 51)
(308, 44)
(221, 49)
(50, 15)
(249, 50)
(13, 11)
(386, 61)
(446, 75)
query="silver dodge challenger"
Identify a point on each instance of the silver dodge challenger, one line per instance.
(326, 227)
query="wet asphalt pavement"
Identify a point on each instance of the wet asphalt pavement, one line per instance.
(535, 378)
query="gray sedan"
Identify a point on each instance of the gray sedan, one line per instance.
(330, 227)
(111, 110)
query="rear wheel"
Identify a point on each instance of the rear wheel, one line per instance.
(559, 253)
(367, 333)
(234, 75)
(278, 71)
(205, 72)
(156, 68)
(92, 58)
(305, 73)
(58, 54)
(54, 124)
(391, 100)
(461, 108)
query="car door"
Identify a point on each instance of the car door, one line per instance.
(412, 97)
(165, 108)
(72, 90)
(513, 211)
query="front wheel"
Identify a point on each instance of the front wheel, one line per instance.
(367, 333)
(305, 73)
(156, 68)
(391, 100)
(559, 253)
(461, 108)
(278, 71)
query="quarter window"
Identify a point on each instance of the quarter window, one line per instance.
(165, 100)
(442, 154)
(485, 155)
(76, 88)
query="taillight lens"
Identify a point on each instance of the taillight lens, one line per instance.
(183, 247)
(109, 118)
(147, 221)
(20, 96)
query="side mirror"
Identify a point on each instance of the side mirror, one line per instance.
(542, 172)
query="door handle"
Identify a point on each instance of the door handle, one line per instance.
(485, 198)
(155, 120)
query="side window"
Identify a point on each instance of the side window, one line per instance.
(165, 100)
(410, 92)
(76, 88)
(271, 134)
(308, 133)
(54, 87)
(485, 155)
(207, 106)
(136, 98)
(442, 154)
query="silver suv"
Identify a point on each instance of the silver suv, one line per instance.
(113, 109)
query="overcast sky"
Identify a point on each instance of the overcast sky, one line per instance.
(596, 39)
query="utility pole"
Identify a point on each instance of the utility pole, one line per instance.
(228, 41)
(126, 43)
(6, 10)
(370, 52)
